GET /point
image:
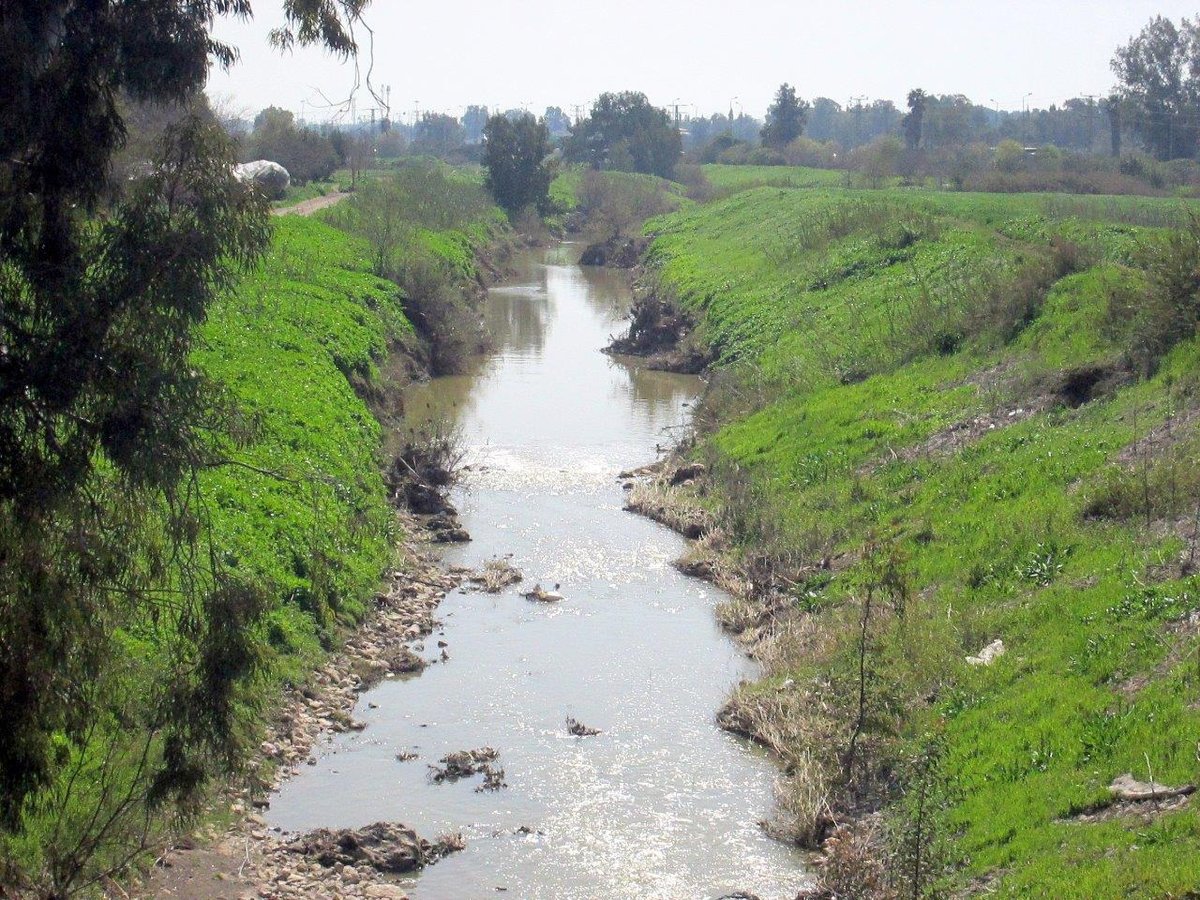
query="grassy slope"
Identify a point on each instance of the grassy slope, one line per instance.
(805, 290)
(288, 343)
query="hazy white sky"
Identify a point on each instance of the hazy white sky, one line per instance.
(446, 54)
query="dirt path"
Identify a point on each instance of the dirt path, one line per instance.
(308, 207)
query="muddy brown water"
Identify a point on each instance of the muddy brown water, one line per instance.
(662, 804)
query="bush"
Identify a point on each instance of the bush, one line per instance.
(1170, 311)
(617, 203)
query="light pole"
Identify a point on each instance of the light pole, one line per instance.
(1025, 117)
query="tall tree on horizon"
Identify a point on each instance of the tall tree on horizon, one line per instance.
(625, 132)
(914, 121)
(786, 117)
(1159, 72)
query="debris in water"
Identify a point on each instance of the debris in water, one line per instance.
(384, 846)
(465, 763)
(406, 756)
(544, 596)
(493, 780)
(496, 575)
(578, 729)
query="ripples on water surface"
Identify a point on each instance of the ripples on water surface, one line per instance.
(662, 804)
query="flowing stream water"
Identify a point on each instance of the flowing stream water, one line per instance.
(662, 804)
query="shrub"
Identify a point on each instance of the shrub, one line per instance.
(1170, 311)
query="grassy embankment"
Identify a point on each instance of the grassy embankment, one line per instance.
(300, 344)
(941, 420)
(301, 513)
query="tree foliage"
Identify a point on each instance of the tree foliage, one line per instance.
(438, 135)
(785, 118)
(304, 152)
(914, 121)
(115, 621)
(515, 156)
(624, 132)
(1159, 73)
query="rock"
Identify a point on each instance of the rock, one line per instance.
(383, 846)
(272, 178)
(445, 529)
(402, 660)
(988, 654)
(384, 892)
(578, 729)
(1125, 787)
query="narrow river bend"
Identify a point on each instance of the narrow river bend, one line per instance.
(662, 804)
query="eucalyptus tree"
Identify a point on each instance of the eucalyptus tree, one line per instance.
(125, 644)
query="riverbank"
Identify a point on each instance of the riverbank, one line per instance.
(314, 351)
(247, 858)
(944, 457)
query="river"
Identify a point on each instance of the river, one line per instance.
(661, 804)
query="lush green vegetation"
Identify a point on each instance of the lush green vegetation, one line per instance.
(941, 420)
(297, 513)
(429, 228)
(305, 510)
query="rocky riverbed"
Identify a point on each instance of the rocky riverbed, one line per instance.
(249, 860)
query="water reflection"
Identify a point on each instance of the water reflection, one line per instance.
(517, 318)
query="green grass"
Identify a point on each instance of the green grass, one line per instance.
(730, 179)
(863, 324)
(291, 343)
(564, 189)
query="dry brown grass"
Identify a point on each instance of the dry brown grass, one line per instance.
(673, 507)
(802, 814)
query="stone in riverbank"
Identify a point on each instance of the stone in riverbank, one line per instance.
(383, 846)
(250, 861)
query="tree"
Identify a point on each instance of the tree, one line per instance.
(785, 118)
(557, 122)
(624, 132)
(515, 156)
(1159, 72)
(438, 135)
(474, 120)
(305, 153)
(915, 120)
(103, 420)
